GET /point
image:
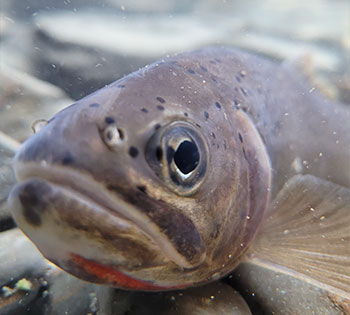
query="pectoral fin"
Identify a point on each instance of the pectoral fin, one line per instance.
(307, 234)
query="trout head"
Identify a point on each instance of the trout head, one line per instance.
(154, 182)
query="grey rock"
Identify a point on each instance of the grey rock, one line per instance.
(25, 99)
(31, 284)
(83, 52)
(7, 180)
(212, 299)
(271, 292)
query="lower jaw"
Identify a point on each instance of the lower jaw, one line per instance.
(109, 276)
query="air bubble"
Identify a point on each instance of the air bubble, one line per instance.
(38, 125)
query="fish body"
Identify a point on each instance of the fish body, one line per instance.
(162, 179)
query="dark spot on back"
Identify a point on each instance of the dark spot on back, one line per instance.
(121, 86)
(191, 71)
(213, 135)
(238, 79)
(213, 62)
(68, 159)
(144, 110)
(157, 126)
(198, 125)
(160, 107)
(109, 120)
(160, 99)
(142, 189)
(214, 79)
(186, 115)
(218, 60)
(206, 115)
(133, 152)
(218, 105)
(204, 69)
(94, 105)
(240, 137)
(225, 146)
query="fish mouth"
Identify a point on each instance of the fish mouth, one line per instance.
(93, 199)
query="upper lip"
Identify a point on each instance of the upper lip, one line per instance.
(77, 181)
(86, 185)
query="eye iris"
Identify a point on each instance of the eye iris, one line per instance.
(186, 157)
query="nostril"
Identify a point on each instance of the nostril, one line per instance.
(113, 136)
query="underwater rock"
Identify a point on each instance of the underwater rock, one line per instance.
(93, 48)
(25, 99)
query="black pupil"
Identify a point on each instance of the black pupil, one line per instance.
(186, 157)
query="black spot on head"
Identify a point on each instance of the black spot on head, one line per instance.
(206, 115)
(94, 105)
(186, 115)
(144, 110)
(204, 69)
(170, 154)
(142, 189)
(160, 99)
(240, 137)
(244, 91)
(109, 120)
(238, 79)
(191, 71)
(68, 159)
(121, 86)
(133, 152)
(159, 153)
(160, 107)
(218, 105)
(157, 126)
(236, 104)
(244, 154)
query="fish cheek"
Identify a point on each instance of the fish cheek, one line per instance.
(241, 195)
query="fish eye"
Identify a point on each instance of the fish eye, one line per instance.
(178, 154)
(186, 157)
